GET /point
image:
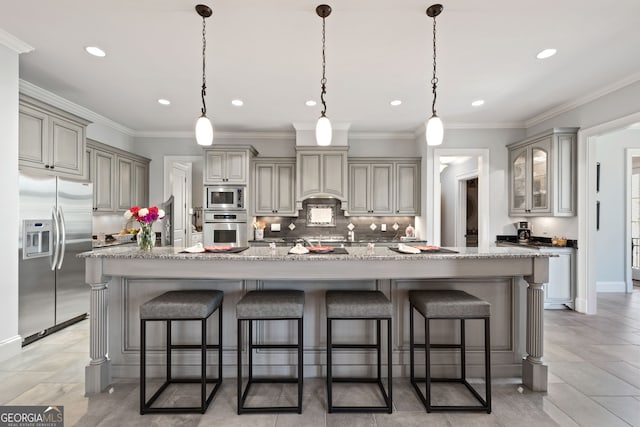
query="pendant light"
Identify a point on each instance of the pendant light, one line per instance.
(323, 127)
(435, 128)
(204, 128)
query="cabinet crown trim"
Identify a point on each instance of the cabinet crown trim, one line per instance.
(552, 131)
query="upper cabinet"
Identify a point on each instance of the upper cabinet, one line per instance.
(228, 165)
(321, 172)
(384, 188)
(51, 140)
(542, 174)
(120, 179)
(274, 184)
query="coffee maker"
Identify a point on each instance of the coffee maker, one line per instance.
(524, 232)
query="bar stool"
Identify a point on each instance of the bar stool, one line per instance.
(359, 305)
(180, 306)
(269, 305)
(450, 304)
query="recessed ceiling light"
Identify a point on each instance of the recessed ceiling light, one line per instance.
(310, 103)
(95, 51)
(395, 102)
(546, 53)
(237, 102)
(163, 101)
(477, 102)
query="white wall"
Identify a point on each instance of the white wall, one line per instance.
(9, 339)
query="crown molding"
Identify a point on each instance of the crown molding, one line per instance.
(571, 105)
(312, 126)
(421, 130)
(51, 98)
(382, 135)
(14, 43)
(217, 135)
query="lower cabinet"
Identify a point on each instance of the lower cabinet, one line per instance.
(559, 293)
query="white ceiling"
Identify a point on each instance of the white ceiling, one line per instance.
(268, 53)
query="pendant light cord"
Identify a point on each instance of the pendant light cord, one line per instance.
(323, 82)
(434, 79)
(204, 76)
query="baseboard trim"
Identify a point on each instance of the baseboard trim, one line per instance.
(10, 347)
(611, 286)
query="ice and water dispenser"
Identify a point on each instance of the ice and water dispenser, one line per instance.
(37, 238)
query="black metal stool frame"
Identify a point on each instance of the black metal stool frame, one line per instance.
(388, 407)
(485, 404)
(145, 406)
(242, 395)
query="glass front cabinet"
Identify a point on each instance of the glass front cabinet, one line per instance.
(542, 174)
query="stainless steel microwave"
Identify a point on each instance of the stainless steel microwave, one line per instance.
(225, 197)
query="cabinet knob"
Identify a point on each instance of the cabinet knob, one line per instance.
(46, 166)
(51, 166)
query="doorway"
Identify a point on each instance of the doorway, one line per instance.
(183, 180)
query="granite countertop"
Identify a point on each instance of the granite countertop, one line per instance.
(534, 242)
(282, 254)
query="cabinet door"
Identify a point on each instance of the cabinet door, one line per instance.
(541, 176)
(285, 189)
(564, 173)
(236, 167)
(124, 184)
(559, 288)
(214, 167)
(33, 136)
(382, 189)
(88, 167)
(359, 189)
(310, 174)
(333, 174)
(140, 185)
(103, 165)
(67, 146)
(264, 189)
(407, 188)
(518, 182)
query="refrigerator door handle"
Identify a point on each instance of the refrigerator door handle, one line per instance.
(56, 251)
(63, 239)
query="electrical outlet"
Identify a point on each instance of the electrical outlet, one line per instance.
(383, 227)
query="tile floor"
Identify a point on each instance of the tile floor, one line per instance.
(594, 380)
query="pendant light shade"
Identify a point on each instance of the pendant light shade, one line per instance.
(204, 127)
(435, 128)
(204, 131)
(323, 131)
(323, 127)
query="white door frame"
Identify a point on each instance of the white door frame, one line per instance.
(586, 290)
(168, 161)
(630, 153)
(434, 230)
(461, 207)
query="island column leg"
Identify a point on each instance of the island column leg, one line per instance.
(98, 372)
(534, 372)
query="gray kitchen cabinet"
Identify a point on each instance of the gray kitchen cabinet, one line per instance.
(274, 187)
(559, 293)
(321, 173)
(120, 178)
(542, 174)
(371, 188)
(51, 139)
(227, 165)
(386, 187)
(407, 187)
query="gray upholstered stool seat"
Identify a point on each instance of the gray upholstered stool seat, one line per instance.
(460, 306)
(358, 304)
(449, 303)
(343, 306)
(276, 304)
(174, 306)
(271, 305)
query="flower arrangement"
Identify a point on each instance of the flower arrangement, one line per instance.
(145, 217)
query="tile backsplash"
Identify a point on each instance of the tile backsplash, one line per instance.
(362, 224)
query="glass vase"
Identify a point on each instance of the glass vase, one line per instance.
(146, 237)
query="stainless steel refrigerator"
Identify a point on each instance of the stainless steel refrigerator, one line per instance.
(55, 225)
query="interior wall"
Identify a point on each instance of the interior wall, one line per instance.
(9, 339)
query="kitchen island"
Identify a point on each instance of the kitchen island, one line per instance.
(121, 278)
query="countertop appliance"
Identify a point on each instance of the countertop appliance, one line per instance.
(225, 198)
(225, 228)
(55, 225)
(524, 232)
